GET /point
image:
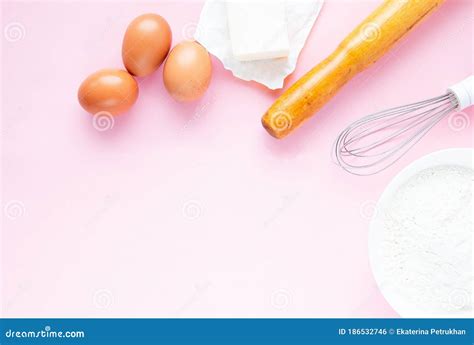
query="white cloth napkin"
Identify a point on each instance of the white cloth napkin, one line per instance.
(212, 32)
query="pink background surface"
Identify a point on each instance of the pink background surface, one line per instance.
(192, 210)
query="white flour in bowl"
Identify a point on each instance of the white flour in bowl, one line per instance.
(427, 247)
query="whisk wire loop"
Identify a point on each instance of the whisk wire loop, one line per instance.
(375, 142)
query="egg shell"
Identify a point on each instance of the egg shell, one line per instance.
(188, 71)
(145, 45)
(109, 90)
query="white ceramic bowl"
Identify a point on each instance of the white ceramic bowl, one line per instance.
(455, 157)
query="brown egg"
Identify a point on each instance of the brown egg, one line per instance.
(145, 45)
(110, 90)
(187, 72)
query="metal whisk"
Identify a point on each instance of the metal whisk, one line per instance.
(375, 142)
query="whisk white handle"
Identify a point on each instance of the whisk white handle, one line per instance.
(464, 92)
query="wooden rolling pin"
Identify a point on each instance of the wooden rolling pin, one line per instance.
(364, 46)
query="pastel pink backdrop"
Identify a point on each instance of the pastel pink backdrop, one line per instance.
(192, 210)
